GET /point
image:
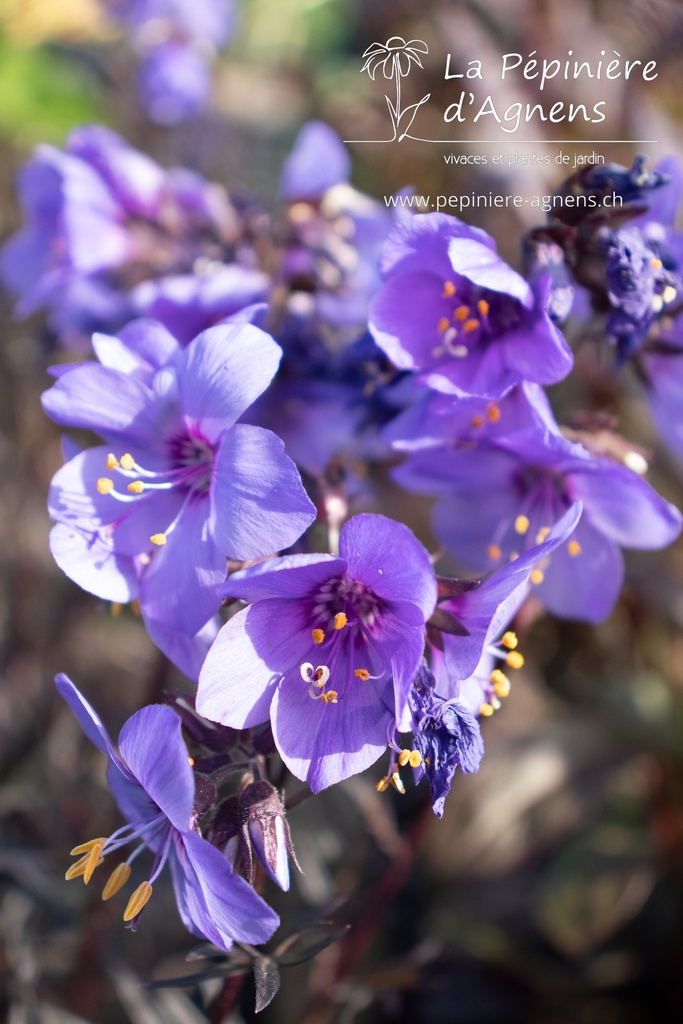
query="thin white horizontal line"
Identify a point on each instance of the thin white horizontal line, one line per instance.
(518, 142)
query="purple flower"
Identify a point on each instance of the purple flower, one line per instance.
(330, 264)
(179, 486)
(639, 289)
(328, 649)
(174, 82)
(177, 40)
(485, 607)
(498, 499)
(454, 311)
(435, 419)
(318, 161)
(107, 228)
(447, 736)
(154, 787)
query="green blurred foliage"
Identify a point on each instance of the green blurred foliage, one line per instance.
(44, 93)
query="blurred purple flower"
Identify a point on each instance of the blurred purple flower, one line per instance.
(454, 311)
(318, 161)
(174, 81)
(500, 498)
(485, 607)
(198, 487)
(153, 784)
(434, 419)
(107, 228)
(177, 40)
(328, 649)
(640, 289)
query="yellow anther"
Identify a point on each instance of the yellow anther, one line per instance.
(136, 487)
(112, 462)
(404, 758)
(493, 412)
(190, 761)
(87, 847)
(340, 620)
(383, 784)
(486, 710)
(138, 900)
(574, 548)
(542, 534)
(94, 858)
(477, 422)
(483, 307)
(501, 684)
(77, 870)
(105, 485)
(461, 313)
(117, 880)
(415, 759)
(493, 551)
(159, 539)
(655, 263)
(471, 325)
(330, 697)
(448, 289)
(669, 293)
(397, 782)
(362, 674)
(497, 676)
(515, 659)
(317, 636)
(521, 524)
(443, 324)
(115, 609)
(509, 640)
(127, 461)
(536, 576)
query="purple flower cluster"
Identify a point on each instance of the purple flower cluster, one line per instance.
(226, 366)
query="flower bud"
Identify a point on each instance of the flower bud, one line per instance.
(265, 832)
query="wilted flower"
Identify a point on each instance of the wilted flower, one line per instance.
(446, 735)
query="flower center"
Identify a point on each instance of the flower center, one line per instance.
(191, 466)
(343, 612)
(470, 315)
(348, 597)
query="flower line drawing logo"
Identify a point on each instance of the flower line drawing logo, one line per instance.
(396, 58)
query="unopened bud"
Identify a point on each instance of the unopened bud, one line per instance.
(264, 830)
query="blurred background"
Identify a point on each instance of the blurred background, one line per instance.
(551, 891)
